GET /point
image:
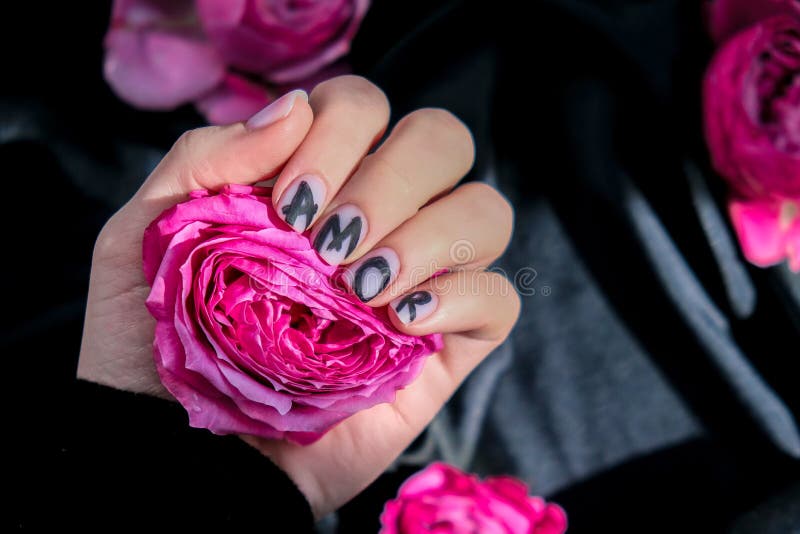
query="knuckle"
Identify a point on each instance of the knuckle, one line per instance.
(510, 303)
(353, 93)
(445, 129)
(514, 306)
(189, 142)
(497, 292)
(108, 244)
(434, 117)
(378, 166)
(191, 155)
(105, 244)
(496, 283)
(489, 204)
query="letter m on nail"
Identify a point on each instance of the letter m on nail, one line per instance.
(332, 227)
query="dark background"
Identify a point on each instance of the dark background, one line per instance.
(588, 108)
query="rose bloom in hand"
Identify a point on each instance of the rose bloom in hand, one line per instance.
(253, 335)
(404, 190)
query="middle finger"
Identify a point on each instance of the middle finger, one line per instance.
(427, 153)
(350, 114)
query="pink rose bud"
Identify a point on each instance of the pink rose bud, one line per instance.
(235, 99)
(252, 335)
(752, 125)
(444, 500)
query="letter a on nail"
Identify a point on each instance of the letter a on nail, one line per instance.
(302, 204)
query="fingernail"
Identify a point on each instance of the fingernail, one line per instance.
(371, 274)
(275, 111)
(340, 234)
(301, 201)
(414, 306)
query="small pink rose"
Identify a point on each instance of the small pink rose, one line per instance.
(282, 40)
(235, 99)
(226, 56)
(238, 98)
(156, 56)
(726, 17)
(252, 336)
(752, 126)
(443, 500)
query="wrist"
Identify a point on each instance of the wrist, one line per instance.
(300, 474)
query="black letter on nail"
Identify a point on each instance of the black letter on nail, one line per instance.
(302, 204)
(382, 266)
(332, 226)
(412, 300)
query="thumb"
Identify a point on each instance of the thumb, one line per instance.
(211, 157)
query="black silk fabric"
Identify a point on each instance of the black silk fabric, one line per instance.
(651, 384)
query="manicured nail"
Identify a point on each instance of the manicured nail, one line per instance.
(275, 111)
(301, 201)
(340, 234)
(371, 274)
(414, 306)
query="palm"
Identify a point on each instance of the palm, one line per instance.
(118, 332)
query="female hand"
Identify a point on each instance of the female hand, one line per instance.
(394, 210)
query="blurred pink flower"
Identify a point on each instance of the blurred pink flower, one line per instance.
(726, 17)
(282, 40)
(443, 500)
(752, 125)
(226, 56)
(235, 99)
(768, 231)
(156, 57)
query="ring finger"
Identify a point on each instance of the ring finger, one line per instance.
(466, 229)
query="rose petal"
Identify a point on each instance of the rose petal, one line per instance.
(765, 239)
(235, 99)
(154, 59)
(281, 40)
(151, 13)
(726, 17)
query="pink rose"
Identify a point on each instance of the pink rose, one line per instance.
(443, 500)
(283, 40)
(227, 56)
(726, 17)
(236, 98)
(156, 56)
(252, 335)
(752, 124)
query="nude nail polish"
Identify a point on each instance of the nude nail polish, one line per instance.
(339, 235)
(370, 275)
(414, 306)
(301, 201)
(275, 111)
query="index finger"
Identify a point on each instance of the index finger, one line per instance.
(211, 157)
